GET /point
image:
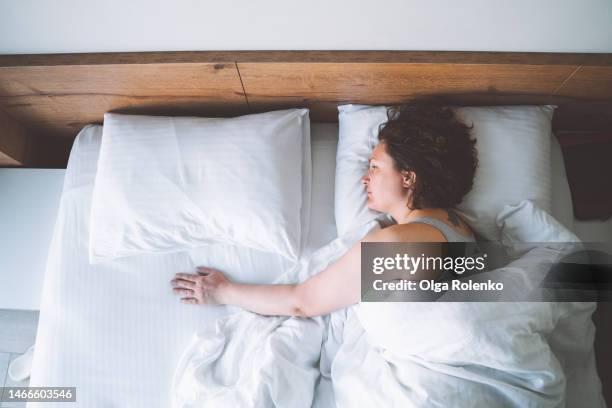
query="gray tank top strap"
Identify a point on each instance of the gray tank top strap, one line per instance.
(449, 233)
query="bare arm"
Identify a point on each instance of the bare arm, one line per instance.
(272, 300)
(210, 286)
(337, 286)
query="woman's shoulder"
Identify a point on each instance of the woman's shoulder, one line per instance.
(414, 232)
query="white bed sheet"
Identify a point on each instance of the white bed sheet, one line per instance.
(116, 331)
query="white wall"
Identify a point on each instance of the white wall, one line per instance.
(53, 26)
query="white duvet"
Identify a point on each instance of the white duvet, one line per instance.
(250, 360)
(439, 354)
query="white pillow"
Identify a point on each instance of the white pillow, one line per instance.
(527, 223)
(167, 184)
(526, 226)
(514, 162)
(358, 136)
(513, 144)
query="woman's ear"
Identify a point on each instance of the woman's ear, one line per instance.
(408, 178)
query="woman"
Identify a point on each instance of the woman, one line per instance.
(422, 167)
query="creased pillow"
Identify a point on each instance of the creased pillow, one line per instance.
(170, 183)
(514, 162)
(525, 226)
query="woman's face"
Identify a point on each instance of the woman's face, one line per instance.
(386, 187)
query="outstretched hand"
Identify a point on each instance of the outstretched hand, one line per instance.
(205, 287)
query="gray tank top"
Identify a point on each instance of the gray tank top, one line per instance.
(449, 233)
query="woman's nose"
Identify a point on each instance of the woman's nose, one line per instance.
(365, 179)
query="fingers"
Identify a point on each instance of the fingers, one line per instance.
(187, 276)
(202, 270)
(181, 291)
(183, 283)
(195, 287)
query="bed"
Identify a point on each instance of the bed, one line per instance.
(45, 100)
(116, 332)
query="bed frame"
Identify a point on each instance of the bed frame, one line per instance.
(46, 99)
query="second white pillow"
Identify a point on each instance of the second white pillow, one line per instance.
(169, 183)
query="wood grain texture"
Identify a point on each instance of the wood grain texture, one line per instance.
(316, 85)
(65, 115)
(13, 141)
(591, 82)
(54, 96)
(174, 79)
(393, 82)
(61, 99)
(284, 56)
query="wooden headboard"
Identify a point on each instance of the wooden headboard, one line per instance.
(46, 99)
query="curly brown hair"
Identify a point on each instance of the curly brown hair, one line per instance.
(429, 140)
